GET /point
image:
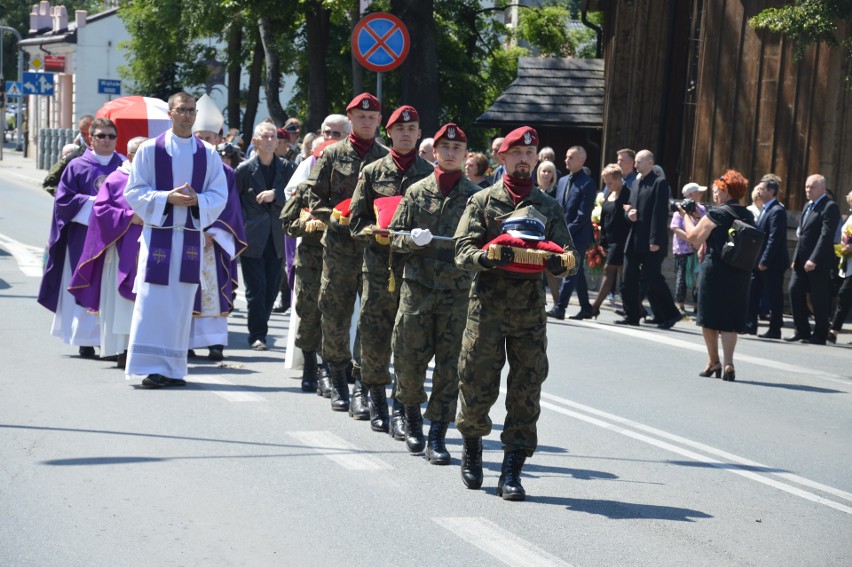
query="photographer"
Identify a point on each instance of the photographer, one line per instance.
(685, 258)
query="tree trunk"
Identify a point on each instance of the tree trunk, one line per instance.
(235, 41)
(317, 26)
(419, 84)
(253, 96)
(272, 84)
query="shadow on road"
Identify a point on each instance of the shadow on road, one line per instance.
(615, 510)
(797, 387)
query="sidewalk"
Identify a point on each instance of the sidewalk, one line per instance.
(15, 165)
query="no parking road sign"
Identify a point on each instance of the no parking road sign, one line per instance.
(380, 42)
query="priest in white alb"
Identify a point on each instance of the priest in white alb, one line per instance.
(177, 186)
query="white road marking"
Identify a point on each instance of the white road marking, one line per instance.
(698, 346)
(339, 450)
(726, 461)
(29, 258)
(501, 544)
(237, 395)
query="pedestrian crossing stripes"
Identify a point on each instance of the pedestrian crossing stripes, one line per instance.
(231, 392)
(29, 258)
(501, 544)
(339, 450)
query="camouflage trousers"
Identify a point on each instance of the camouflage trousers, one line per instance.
(375, 325)
(308, 281)
(506, 320)
(430, 322)
(341, 280)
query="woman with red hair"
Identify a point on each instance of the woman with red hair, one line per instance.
(722, 290)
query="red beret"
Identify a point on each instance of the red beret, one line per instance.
(523, 136)
(403, 114)
(281, 133)
(451, 132)
(365, 101)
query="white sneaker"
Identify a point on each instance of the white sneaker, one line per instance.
(259, 345)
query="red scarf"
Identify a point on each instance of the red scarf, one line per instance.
(403, 162)
(361, 145)
(517, 188)
(447, 179)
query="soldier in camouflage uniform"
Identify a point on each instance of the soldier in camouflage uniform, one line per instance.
(332, 180)
(506, 318)
(434, 295)
(392, 175)
(298, 222)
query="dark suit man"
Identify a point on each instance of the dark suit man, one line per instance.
(576, 193)
(774, 260)
(260, 184)
(647, 244)
(812, 263)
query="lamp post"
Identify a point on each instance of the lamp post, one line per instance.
(20, 121)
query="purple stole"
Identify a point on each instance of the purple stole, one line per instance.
(160, 250)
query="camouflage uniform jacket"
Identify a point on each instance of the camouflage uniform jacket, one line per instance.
(424, 206)
(335, 174)
(381, 179)
(291, 217)
(481, 223)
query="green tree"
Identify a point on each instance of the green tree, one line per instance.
(809, 22)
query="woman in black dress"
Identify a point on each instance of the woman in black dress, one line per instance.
(614, 228)
(722, 290)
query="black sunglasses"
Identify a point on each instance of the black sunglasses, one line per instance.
(102, 136)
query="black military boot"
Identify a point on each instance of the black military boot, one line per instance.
(436, 450)
(324, 380)
(397, 421)
(414, 439)
(309, 372)
(359, 408)
(509, 484)
(471, 462)
(339, 390)
(378, 408)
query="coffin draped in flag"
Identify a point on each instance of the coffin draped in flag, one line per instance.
(136, 116)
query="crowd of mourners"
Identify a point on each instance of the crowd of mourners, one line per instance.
(448, 254)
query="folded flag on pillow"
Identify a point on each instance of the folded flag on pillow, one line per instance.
(385, 209)
(341, 211)
(530, 255)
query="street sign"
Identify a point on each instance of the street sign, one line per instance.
(14, 89)
(38, 84)
(380, 42)
(36, 63)
(54, 63)
(109, 86)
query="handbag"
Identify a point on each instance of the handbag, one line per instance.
(745, 242)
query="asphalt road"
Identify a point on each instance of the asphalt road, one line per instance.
(641, 462)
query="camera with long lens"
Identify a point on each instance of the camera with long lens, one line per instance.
(688, 205)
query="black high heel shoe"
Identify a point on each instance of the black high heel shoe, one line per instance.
(712, 368)
(729, 375)
(586, 314)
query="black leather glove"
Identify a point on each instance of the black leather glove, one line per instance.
(506, 258)
(554, 265)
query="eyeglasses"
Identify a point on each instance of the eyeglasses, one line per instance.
(332, 133)
(103, 136)
(183, 111)
(292, 128)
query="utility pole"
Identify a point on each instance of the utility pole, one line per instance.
(20, 123)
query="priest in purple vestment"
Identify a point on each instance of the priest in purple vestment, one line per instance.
(103, 280)
(75, 197)
(225, 240)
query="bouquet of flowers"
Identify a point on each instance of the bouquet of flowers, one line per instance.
(845, 240)
(596, 254)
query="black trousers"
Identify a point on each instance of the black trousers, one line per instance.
(844, 304)
(818, 283)
(647, 265)
(262, 278)
(772, 281)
